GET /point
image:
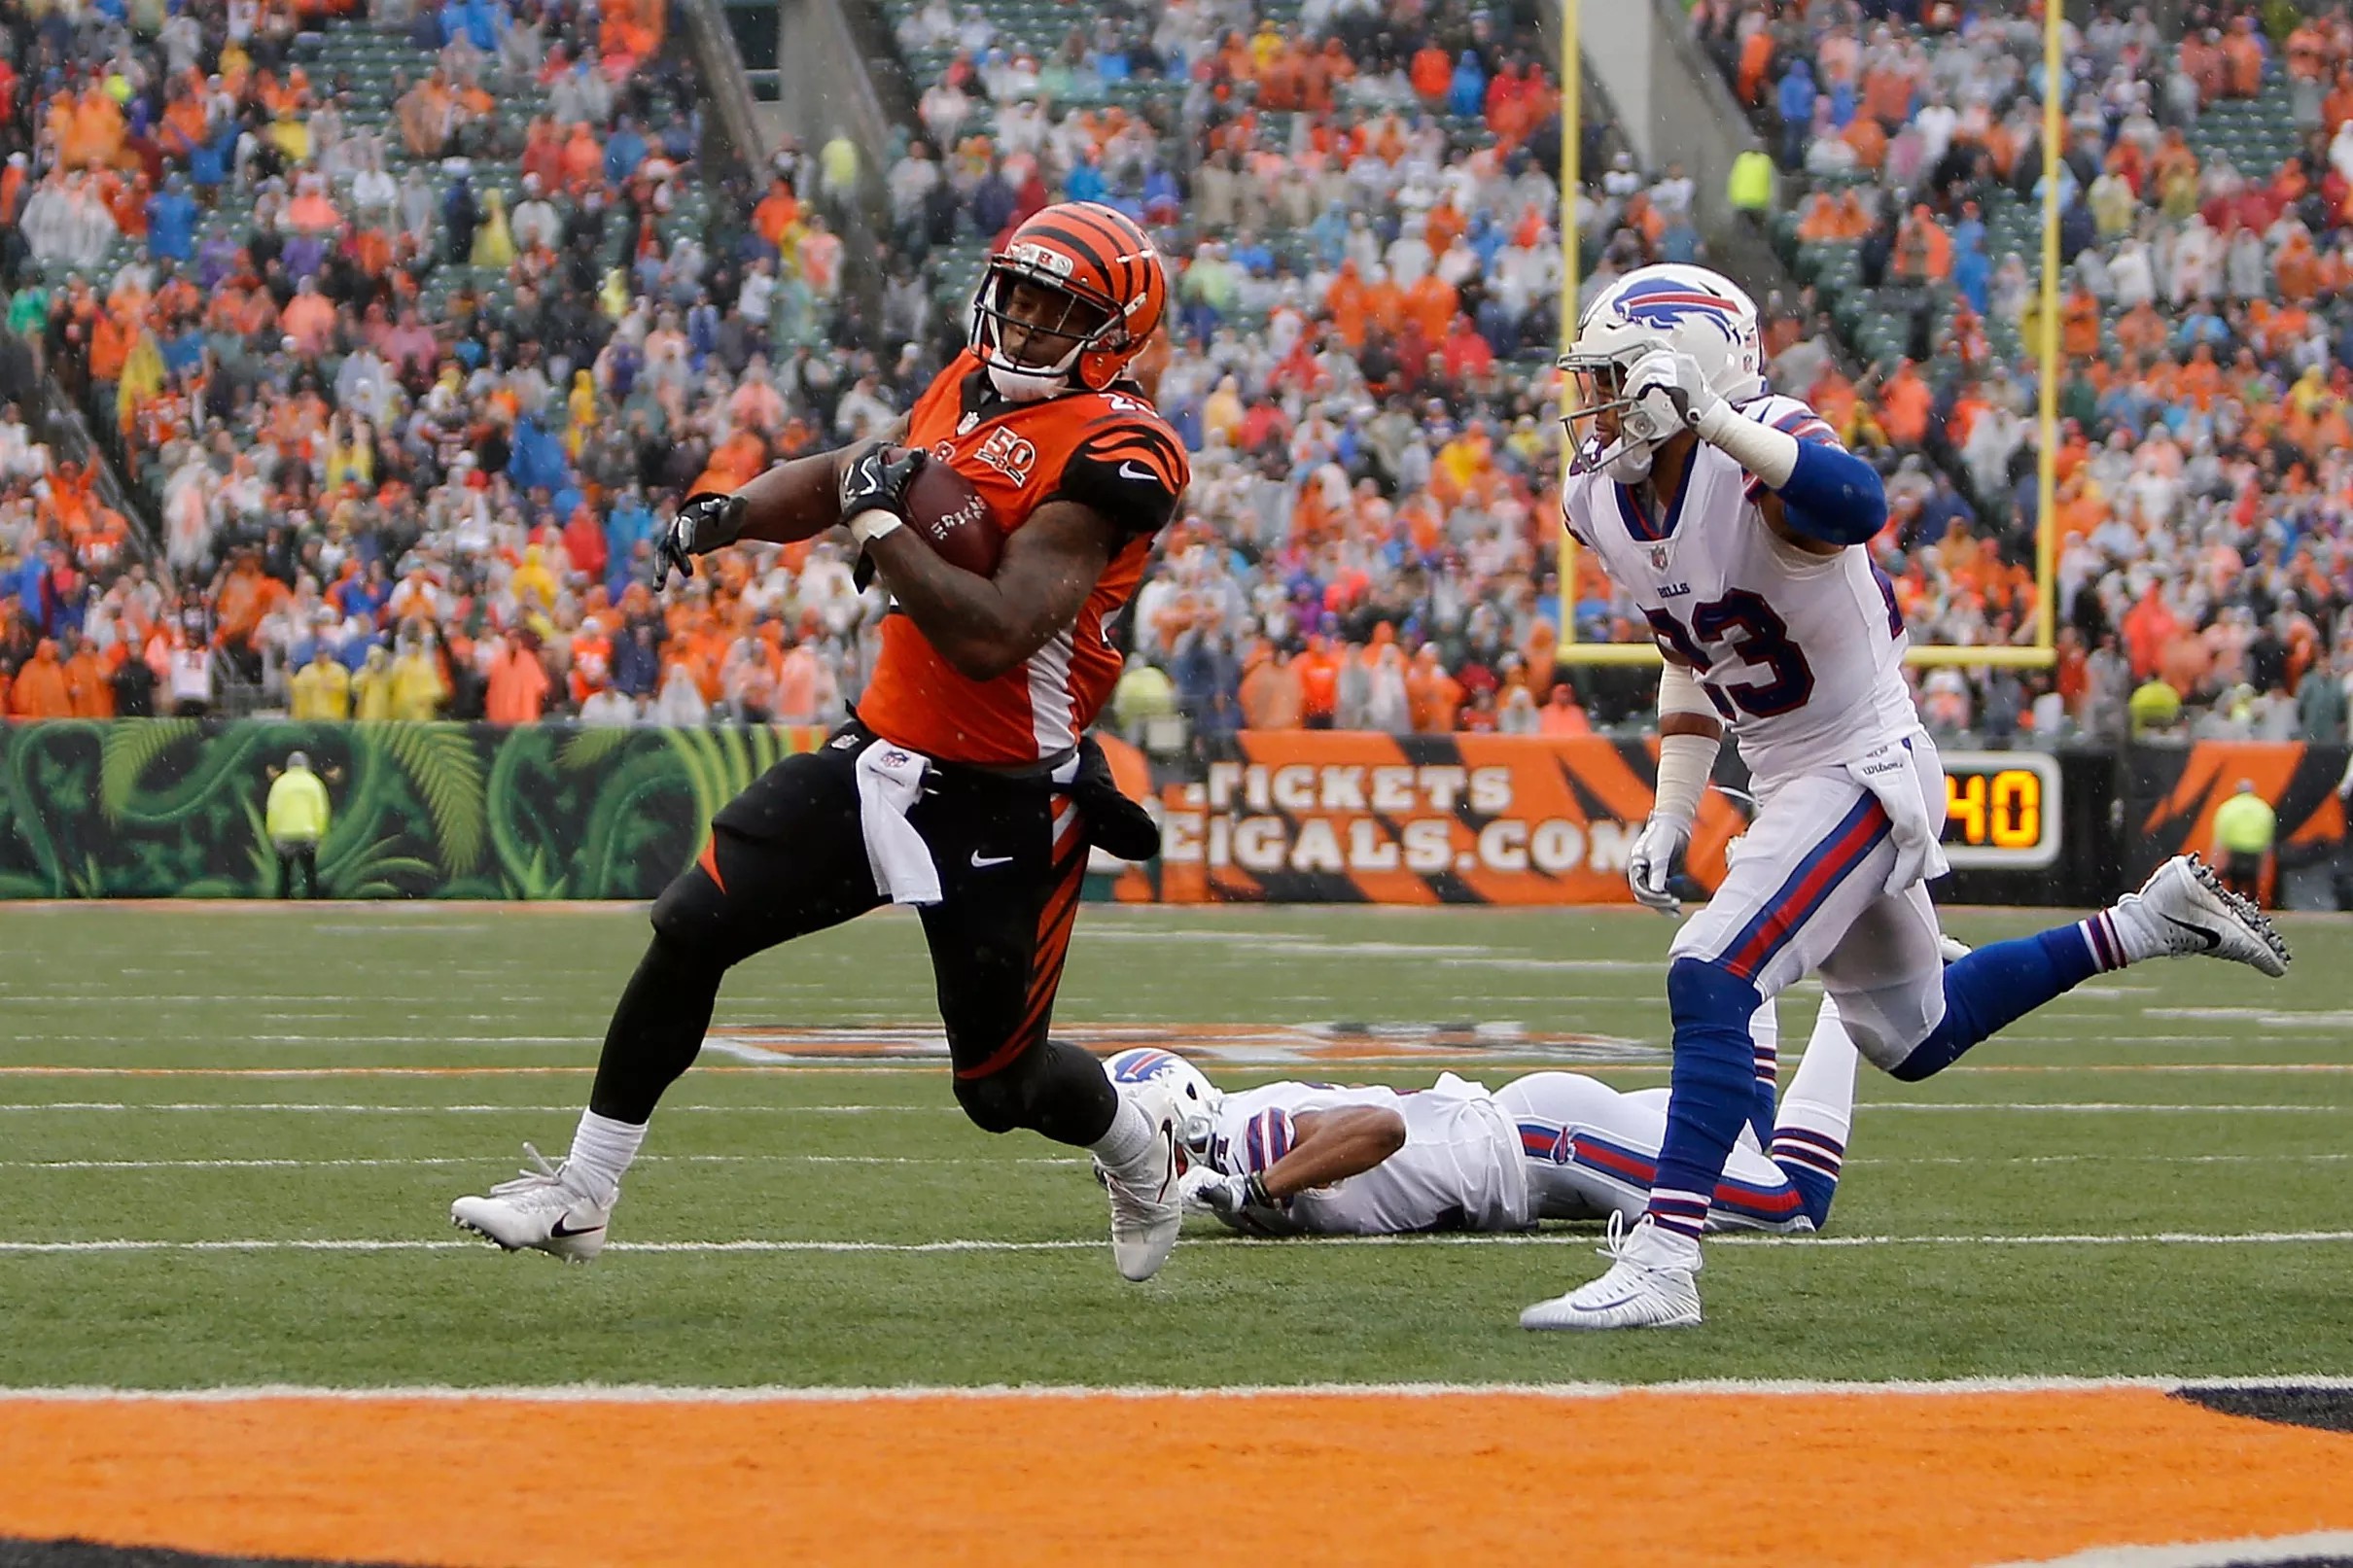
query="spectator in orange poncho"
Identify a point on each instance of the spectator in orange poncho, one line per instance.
(583, 159)
(632, 29)
(87, 684)
(1431, 74)
(2243, 60)
(2298, 267)
(41, 690)
(778, 211)
(1905, 405)
(1756, 59)
(1269, 694)
(1432, 696)
(518, 685)
(1344, 303)
(1431, 301)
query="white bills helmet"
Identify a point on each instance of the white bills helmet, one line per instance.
(1198, 1098)
(1683, 309)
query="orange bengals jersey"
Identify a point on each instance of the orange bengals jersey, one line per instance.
(1110, 450)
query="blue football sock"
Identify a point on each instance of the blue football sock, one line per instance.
(1712, 1093)
(1815, 1189)
(1997, 985)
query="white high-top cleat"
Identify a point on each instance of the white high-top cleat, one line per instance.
(538, 1208)
(1146, 1209)
(1648, 1286)
(2183, 910)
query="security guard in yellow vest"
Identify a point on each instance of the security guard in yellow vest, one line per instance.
(2244, 826)
(295, 819)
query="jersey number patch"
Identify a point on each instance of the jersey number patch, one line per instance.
(1762, 640)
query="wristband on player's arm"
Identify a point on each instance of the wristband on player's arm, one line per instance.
(1685, 759)
(1827, 493)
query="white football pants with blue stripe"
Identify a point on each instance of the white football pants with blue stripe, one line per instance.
(1806, 893)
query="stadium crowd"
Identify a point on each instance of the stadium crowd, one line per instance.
(2205, 564)
(409, 430)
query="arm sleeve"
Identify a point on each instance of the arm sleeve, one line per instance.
(1834, 495)
(1130, 471)
(1266, 1137)
(1827, 493)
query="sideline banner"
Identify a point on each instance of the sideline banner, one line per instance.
(2172, 792)
(1342, 817)
(171, 807)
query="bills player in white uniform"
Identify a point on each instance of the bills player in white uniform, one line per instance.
(1303, 1159)
(1736, 522)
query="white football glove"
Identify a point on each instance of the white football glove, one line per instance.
(1891, 774)
(1203, 1191)
(1650, 865)
(1670, 391)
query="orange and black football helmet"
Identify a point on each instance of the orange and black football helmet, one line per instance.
(1109, 287)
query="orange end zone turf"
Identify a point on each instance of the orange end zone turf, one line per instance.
(1863, 1478)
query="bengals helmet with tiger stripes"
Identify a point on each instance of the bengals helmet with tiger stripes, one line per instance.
(1112, 284)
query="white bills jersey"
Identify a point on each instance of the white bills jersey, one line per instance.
(1461, 1168)
(1801, 654)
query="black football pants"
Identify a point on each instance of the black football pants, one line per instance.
(787, 858)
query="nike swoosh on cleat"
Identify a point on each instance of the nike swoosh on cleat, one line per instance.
(981, 862)
(2212, 938)
(561, 1233)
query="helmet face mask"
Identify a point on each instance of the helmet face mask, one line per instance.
(1067, 304)
(1596, 421)
(1682, 309)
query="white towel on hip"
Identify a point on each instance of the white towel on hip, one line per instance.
(890, 780)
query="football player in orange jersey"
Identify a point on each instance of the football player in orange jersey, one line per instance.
(964, 785)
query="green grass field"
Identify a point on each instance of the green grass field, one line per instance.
(2184, 1101)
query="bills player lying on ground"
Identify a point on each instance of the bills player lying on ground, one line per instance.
(1738, 524)
(963, 785)
(1303, 1159)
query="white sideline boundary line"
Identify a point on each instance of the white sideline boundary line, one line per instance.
(444, 1161)
(2247, 1550)
(848, 1394)
(347, 1108)
(422, 1161)
(1565, 1239)
(356, 1108)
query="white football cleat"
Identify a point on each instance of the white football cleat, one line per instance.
(538, 1208)
(1147, 1210)
(2183, 910)
(1647, 1287)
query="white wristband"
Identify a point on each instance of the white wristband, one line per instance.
(1772, 455)
(873, 523)
(1685, 759)
(1685, 762)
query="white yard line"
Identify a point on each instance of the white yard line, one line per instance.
(111, 1105)
(478, 1159)
(1581, 1239)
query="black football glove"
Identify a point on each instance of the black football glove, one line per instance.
(876, 481)
(706, 522)
(1114, 822)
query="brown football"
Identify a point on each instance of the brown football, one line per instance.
(953, 518)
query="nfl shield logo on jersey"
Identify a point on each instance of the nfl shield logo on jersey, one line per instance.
(1657, 557)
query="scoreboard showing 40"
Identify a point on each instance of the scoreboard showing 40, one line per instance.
(2001, 809)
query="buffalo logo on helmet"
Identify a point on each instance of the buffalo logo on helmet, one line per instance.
(1667, 302)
